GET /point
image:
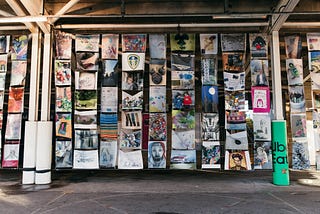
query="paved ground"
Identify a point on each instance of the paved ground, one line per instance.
(161, 192)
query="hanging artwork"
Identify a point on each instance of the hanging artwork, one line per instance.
(110, 73)
(232, 61)
(293, 46)
(62, 70)
(19, 47)
(3, 62)
(88, 61)
(183, 99)
(11, 155)
(234, 100)
(235, 120)
(15, 102)
(183, 159)
(183, 139)
(145, 130)
(314, 67)
(64, 154)
(63, 125)
(157, 46)
(130, 139)
(313, 41)
(211, 156)
(234, 81)
(131, 120)
(297, 98)
(262, 127)
(209, 70)
(110, 45)
(294, 71)
(300, 155)
(63, 99)
(134, 42)
(109, 99)
(157, 99)
(18, 73)
(133, 61)
(157, 127)
(132, 80)
(259, 73)
(158, 72)
(233, 42)
(86, 159)
(182, 62)
(4, 43)
(262, 155)
(298, 125)
(210, 98)
(239, 160)
(183, 119)
(108, 126)
(260, 99)
(209, 43)
(86, 139)
(130, 160)
(1, 100)
(86, 80)
(182, 79)
(132, 101)
(210, 128)
(258, 45)
(88, 43)
(85, 119)
(86, 99)
(63, 45)
(13, 128)
(108, 153)
(237, 140)
(157, 154)
(182, 42)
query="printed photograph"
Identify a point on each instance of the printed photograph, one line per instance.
(3, 62)
(259, 72)
(64, 154)
(182, 62)
(4, 43)
(211, 157)
(86, 139)
(208, 44)
(63, 99)
(85, 119)
(234, 100)
(183, 159)
(183, 119)
(16, 98)
(293, 46)
(88, 61)
(63, 44)
(183, 99)
(132, 81)
(233, 61)
(297, 98)
(86, 99)
(110, 73)
(262, 155)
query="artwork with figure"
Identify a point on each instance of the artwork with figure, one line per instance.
(262, 155)
(108, 153)
(211, 157)
(260, 99)
(109, 46)
(63, 125)
(234, 100)
(64, 154)
(134, 42)
(183, 99)
(210, 126)
(89, 43)
(62, 71)
(300, 155)
(298, 125)
(237, 160)
(88, 61)
(262, 127)
(132, 80)
(297, 99)
(258, 45)
(85, 159)
(209, 43)
(63, 45)
(294, 69)
(157, 154)
(85, 119)
(259, 72)
(86, 139)
(130, 139)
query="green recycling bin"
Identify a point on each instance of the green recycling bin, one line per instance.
(280, 153)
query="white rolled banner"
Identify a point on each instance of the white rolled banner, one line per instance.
(44, 152)
(29, 154)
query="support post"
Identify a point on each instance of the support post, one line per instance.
(278, 127)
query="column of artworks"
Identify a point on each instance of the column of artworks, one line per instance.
(157, 142)
(313, 41)
(294, 68)
(63, 103)
(183, 153)
(260, 101)
(133, 65)
(109, 101)
(19, 48)
(4, 49)
(85, 114)
(236, 146)
(210, 126)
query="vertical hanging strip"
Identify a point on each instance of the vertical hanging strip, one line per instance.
(157, 136)
(86, 96)
(294, 68)
(19, 49)
(236, 146)
(183, 153)
(4, 49)
(210, 126)
(260, 101)
(313, 41)
(133, 64)
(109, 101)
(63, 109)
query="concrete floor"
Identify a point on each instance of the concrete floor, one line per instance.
(161, 192)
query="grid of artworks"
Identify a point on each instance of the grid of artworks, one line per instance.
(236, 146)
(18, 49)
(260, 101)
(157, 129)
(183, 153)
(313, 41)
(210, 127)
(133, 65)
(294, 68)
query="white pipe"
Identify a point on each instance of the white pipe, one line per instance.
(5, 28)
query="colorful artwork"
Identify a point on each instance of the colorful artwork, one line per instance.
(110, 46)
(313, 40)
(15, 102)
(300, 155)
(210, 98)
(158, 72)
(86, 159)
(182, 42)
(19, 47)
(183, 99)
(10, 155)
(130, 160)
(133, 61)
(262, 127)
(157, 46)
(183, 119)
(183, 159)
(157, 127)
(234, 81)
(297, 98)
(233, 42)
(132, 101)
(62, 70)
(157, 154)
(64, 154)
(109, 126)
(63, 45)
(132, 80)
(110, 73)
(294, 71)
(18, 73)
(63, 99)
(209, 43)
(145, 130)
(182, 79)
(130, 139)
(88, 61)
(314, 67)
(235, 120)
(85, 100)
(237, 161)
(131, 120)
(298, 125)
(293, 46)
(236, 140)
(63, 125)
(85, 119)
(109, 99)
(210, 127)
(259, 72)
(232, 61)
(258, 45)
(157, 99)
(88, 43)
(4, 43)
(108, 153)
(13, 129)
(3, 62)
(183, 139)
(211, 157)
(134, 42)
(86, 80)
(182, 62)
(234, 100)
(209, 69)
(86, 139)
(262, 155)
(260, 99)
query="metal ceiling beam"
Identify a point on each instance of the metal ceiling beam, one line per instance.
(64, 9)
(18, 10)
